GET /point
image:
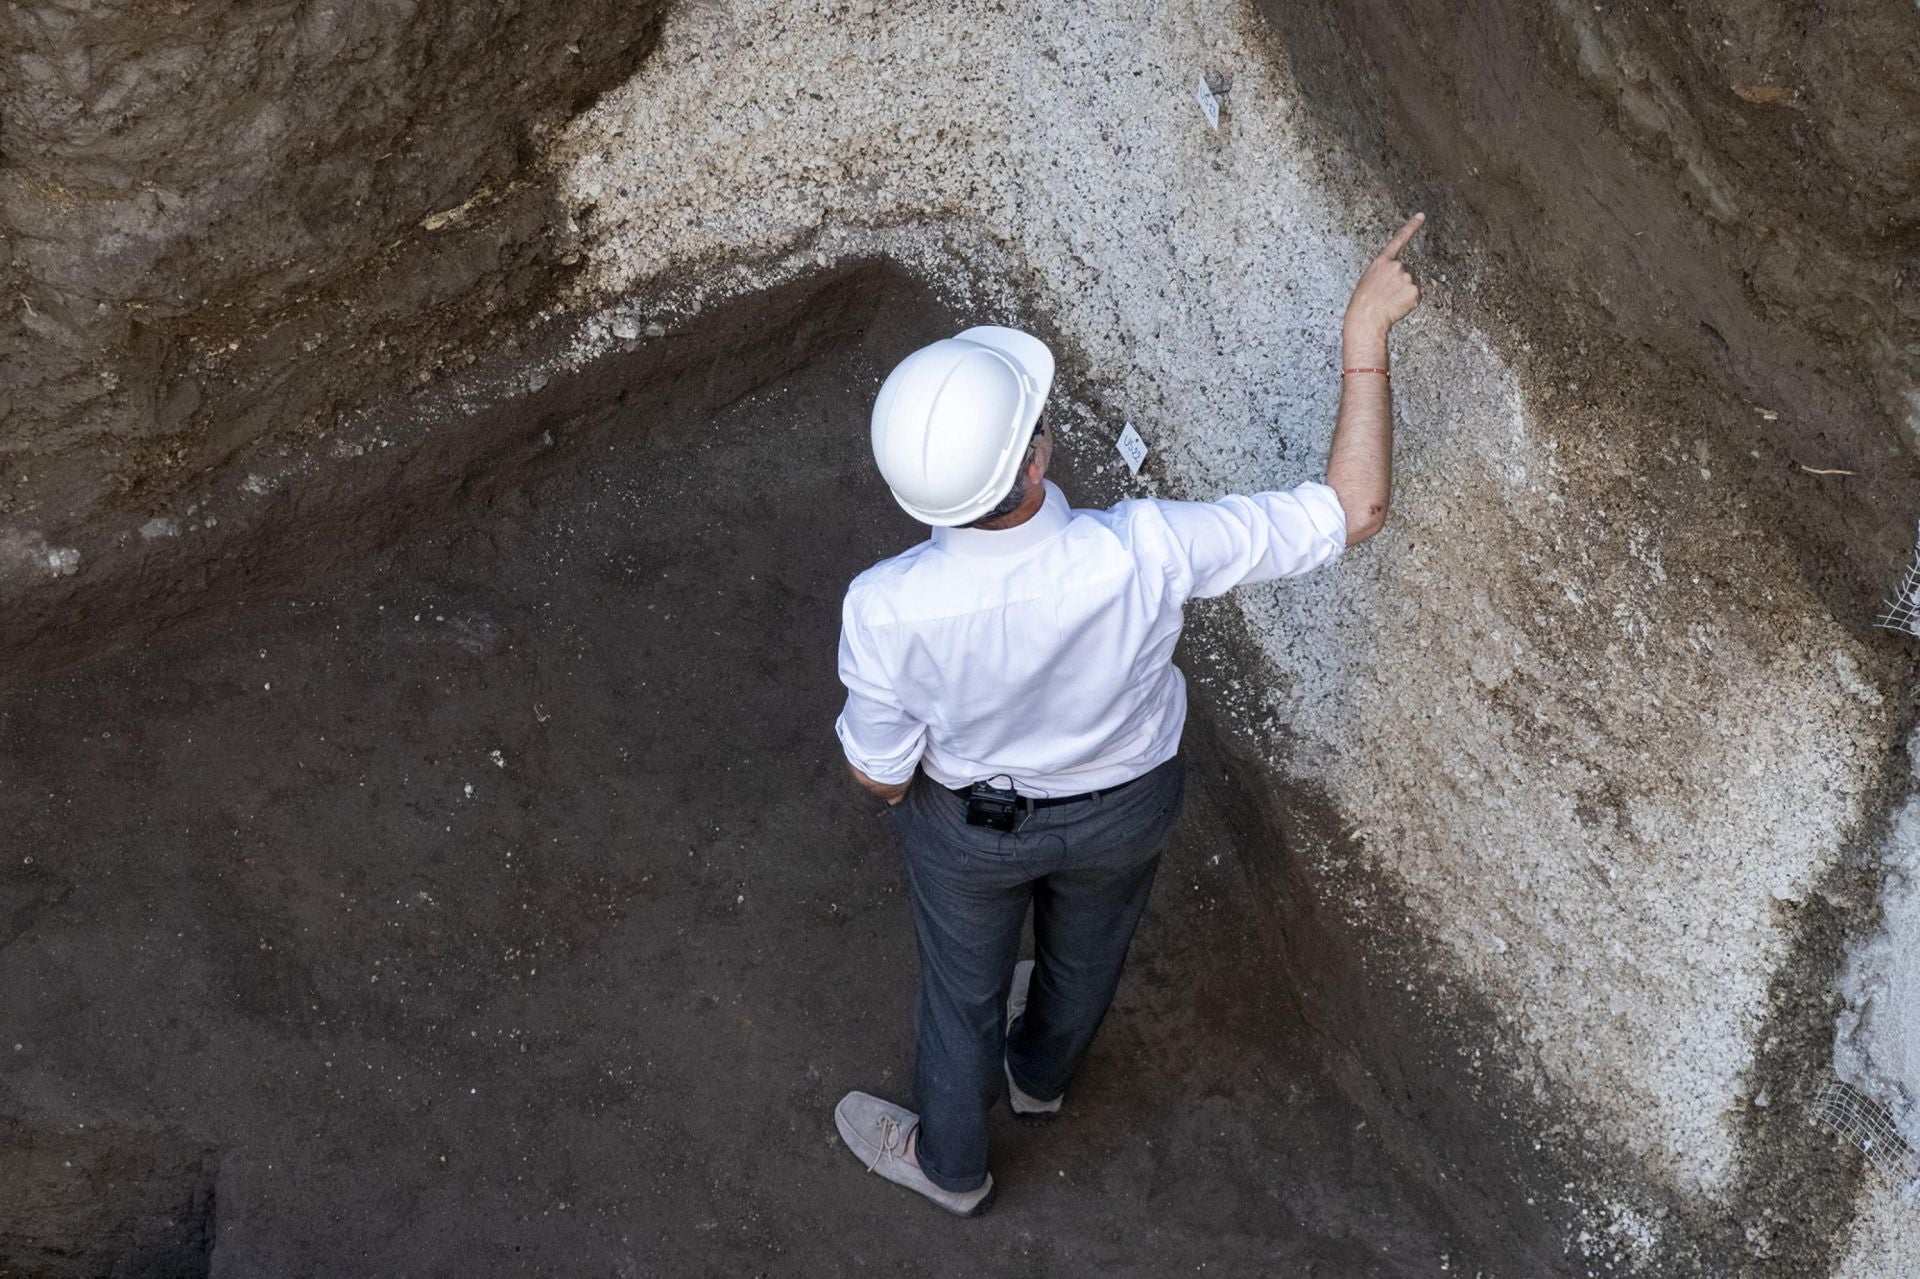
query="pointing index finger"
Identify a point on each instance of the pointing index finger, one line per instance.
(1405, 233)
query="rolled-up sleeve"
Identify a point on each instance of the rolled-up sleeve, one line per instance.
(880, 738)
(1217, 546)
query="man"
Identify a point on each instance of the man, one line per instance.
(1011, 695)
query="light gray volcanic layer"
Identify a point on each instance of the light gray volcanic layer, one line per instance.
(1877, 1046)
(1575, 700)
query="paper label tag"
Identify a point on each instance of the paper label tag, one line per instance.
(1208, 103)
(1132, 448)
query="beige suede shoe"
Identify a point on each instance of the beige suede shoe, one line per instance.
(877, 1131)
(1028, 1110)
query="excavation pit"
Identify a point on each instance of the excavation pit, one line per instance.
(480, 890)
(1546, 821)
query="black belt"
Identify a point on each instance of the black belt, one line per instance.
(1033, 802)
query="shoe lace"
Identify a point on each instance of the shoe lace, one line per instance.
(889, 1133)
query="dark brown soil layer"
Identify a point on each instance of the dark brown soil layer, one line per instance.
(502, 907)
(225, 226)
(416, 463)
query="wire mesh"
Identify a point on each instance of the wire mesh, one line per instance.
(1902, 612)
(1847, 1112)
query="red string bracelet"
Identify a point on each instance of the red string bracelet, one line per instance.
(1381, 372)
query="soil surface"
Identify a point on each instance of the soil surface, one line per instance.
(503, 908)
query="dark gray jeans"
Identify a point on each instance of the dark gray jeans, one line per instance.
(1086, 868)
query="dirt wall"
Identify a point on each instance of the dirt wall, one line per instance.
(1718, 198)
(324, 506)
(1727, 186)
(224, 226)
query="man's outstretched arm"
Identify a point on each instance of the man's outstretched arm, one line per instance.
(1360, 462)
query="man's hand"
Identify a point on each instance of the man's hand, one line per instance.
(892, 792)
(1386, 292)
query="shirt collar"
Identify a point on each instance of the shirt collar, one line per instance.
(1047, 522)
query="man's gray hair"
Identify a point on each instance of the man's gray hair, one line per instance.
(1008, 504)
(1011, 502)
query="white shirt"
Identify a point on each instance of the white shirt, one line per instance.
(1044, 652)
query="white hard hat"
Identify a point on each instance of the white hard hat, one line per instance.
(952, 421)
